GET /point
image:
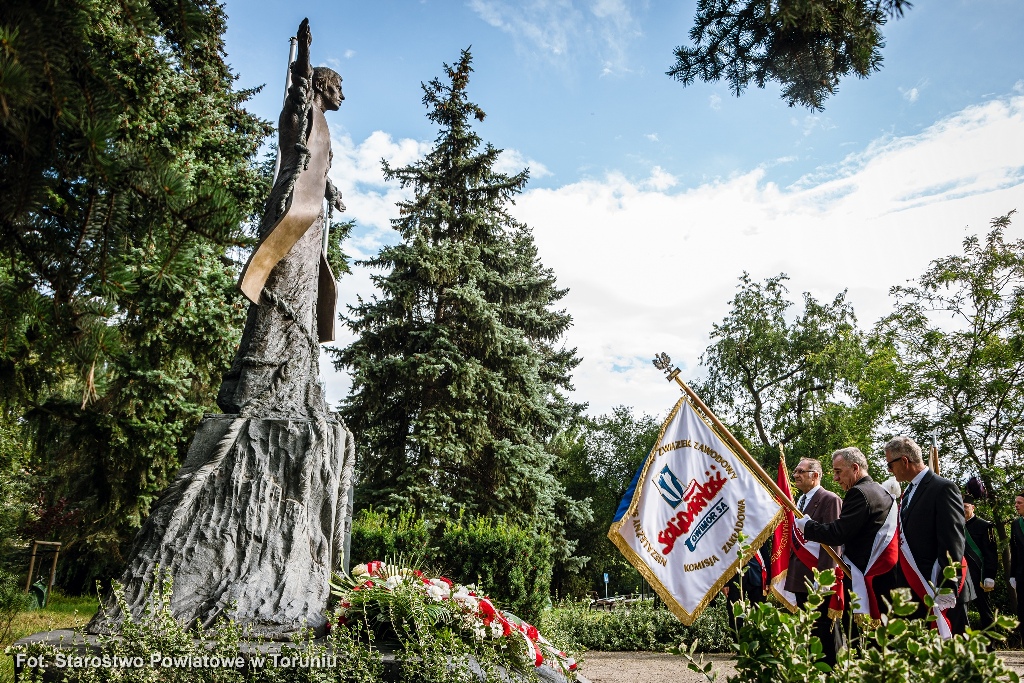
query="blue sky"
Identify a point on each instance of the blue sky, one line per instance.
(649, 199)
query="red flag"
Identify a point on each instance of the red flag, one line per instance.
(783, 547)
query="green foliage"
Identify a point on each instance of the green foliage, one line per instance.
(158, 634)
(775, 646)
(642, 626)
(443, 631)
(126, 173)
(510, 563)
(458, 373)
(597, 458)
(377, 535)
(12, 602)
(805, 385)
(806, 46)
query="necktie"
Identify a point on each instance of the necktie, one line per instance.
(802, 502)
(905, 499)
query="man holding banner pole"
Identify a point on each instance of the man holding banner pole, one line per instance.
(822, 506)
(866, 528)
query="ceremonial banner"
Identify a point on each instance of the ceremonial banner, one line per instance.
(783, 544)
(680, 519)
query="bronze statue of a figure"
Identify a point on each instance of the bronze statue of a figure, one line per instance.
(259, 515)
(287, 278)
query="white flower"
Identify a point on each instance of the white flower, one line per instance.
(479, 631)
(497, 630)
(393, 582)
(435, 593)
(464, 598)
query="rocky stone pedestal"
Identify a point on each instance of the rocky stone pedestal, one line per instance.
(250, 529)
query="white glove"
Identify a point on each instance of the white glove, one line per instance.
(1013, 583)
(801, 523)
(988, 584)
(945, 601)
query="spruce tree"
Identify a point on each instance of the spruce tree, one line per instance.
(459, 376)
(126, 175)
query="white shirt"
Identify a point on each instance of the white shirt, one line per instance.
(807, 496)
(913, 483)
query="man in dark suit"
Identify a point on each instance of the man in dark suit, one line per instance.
(822, 506)
(982, 562)
(931, 527)
(1017, 560)
(865, 510)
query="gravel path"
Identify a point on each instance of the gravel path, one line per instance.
(650, 667)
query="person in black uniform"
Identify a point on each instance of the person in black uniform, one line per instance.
(1017, 559)
(982, 562)
(865, 508)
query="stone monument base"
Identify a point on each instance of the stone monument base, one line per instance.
(251, 528)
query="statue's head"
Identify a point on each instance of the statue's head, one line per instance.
(327, 88)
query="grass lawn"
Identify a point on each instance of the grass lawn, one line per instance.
(60, 612)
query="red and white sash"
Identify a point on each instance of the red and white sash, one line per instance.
(922, 586)
(808, 553)
(883, 557)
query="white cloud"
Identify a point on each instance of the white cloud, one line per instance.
(649, 270)
(715, 101)
(910, 95)
(651, 266)
(512, 161)
(349, 54)
(601, 30)
(653, 137)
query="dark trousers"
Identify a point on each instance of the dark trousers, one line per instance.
(826, 629)
(1020, 609)
(985, 616)
(980, 603)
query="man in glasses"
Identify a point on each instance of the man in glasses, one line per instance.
(864, 528)
(822, 506)
(931, 531)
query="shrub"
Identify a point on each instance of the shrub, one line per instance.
(376, 535)
(507, 562)
(774, 646)
(642, 626)
(12, 601)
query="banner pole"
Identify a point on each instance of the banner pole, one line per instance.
(767, 481)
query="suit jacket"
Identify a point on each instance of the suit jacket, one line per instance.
(933, 524)
(982, 533)
(1017, 552)
(824, 508)
(865, 508)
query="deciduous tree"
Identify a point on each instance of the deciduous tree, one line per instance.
(959, 334)
(794, 381)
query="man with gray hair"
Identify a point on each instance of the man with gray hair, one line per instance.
(863, 528)
(931, 532)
